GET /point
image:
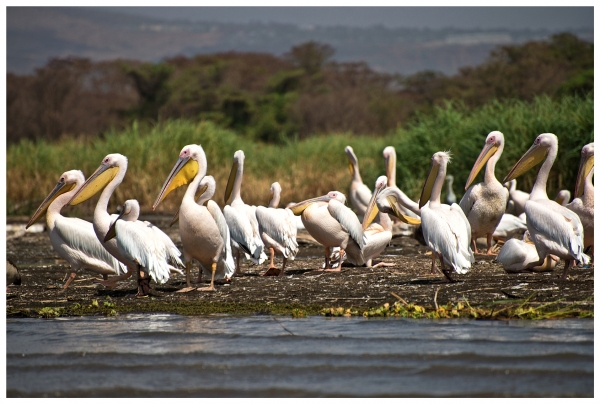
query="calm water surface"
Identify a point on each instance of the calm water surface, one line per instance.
(169, 355)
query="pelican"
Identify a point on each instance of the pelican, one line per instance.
(485, 203)
(202, 226)
(563, 197)
(517, 197)
(331, 223)
(297, 219)
(241, 218)
(73, 238)
(144, 244)
(360, 194)
(516, 255)
(408, 207)
(509, 227)
(554, 229)
(107, 178)
(583, 203)
(379, 234)
(450, 197)
(277, 229)
(446, 230)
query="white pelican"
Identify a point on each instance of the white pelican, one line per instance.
(73, 238)
(516, 255)
(145, 244)
(517, 197)
(204, 233)
(408, 207)
(450, 197)
(360, 194)
(241, 218)
(583, 203)
(379, 234)
(485, 203)
(277, 229)
(297, 219)
(446, 230)
(554, 229)
(331, 223)
(509, 227)
(563, 197)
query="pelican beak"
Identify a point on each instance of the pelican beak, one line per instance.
(298, 208)
(390, 166)
(59, 189)
(585, 167)
(428, 187)
(488, 151)
(398, 212)
(112, 232)
(532, 157)
(198, 195)
(351, 168)
(183, 173)
(231, 180)
(372, 209)
(94, 184)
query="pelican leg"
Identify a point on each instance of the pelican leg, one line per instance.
(474, 241)
(71, 278)
(489, 244)
(211, 288)
(566, 271)
(283, 267)
(111, 282)
(338, 268)
(188, 268)
(238, 270)
(272, 271)
(143, 283)
(433, 269)
(105, 277)
(445, 271)
(327, 252)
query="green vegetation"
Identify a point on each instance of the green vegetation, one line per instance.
(308, 167)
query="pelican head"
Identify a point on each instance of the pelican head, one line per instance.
(109, 168)
(129, 207)
(389, 154)
(586, 165)
(299, 207)
(68, 181)
(494, 143)
(439, 161)
(275, 188)
(352, 160)
(385, 198)
(238, 160)
(191, 161)
(536, 153)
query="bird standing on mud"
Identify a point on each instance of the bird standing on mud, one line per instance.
(583, 201)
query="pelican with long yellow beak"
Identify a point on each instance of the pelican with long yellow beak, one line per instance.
(107, 178)
(446, 229)
(73, 238)
(329, 221)
(278, 231)
(379, 232)
(204, 232)
(554, 229)
(241, 218)
(583, 201)
(360, 194)
(485, 203)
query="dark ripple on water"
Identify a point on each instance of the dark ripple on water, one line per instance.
(263, 356)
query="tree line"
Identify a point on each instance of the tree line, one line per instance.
(273, 98)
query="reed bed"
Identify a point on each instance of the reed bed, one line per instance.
(309, 167)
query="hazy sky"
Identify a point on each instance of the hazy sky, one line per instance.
(413, 17)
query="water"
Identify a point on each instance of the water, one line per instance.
(178, 356)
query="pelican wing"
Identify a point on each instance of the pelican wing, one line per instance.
(348, 221)
(558, 224)
(278, 225)
(242, 233)
(469, 198)
(79, 235)
(516, 254)
(172, 251)
(227, 256)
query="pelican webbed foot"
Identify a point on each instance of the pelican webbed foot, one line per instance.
(185, 290)
(272, 271)
(207, 289)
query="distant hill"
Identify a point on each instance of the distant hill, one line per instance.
(35, 34)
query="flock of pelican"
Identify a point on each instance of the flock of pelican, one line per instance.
(116, 246)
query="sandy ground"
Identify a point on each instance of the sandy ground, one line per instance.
(303, 285)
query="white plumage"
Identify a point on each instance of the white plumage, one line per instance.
(516, 255)
(583, 203)
(72, 238)
(510, 226)
(278, 230)
(360, 194)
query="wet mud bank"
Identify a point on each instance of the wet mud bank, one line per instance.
(407, 288)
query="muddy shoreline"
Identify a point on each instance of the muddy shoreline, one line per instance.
(302, 291)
